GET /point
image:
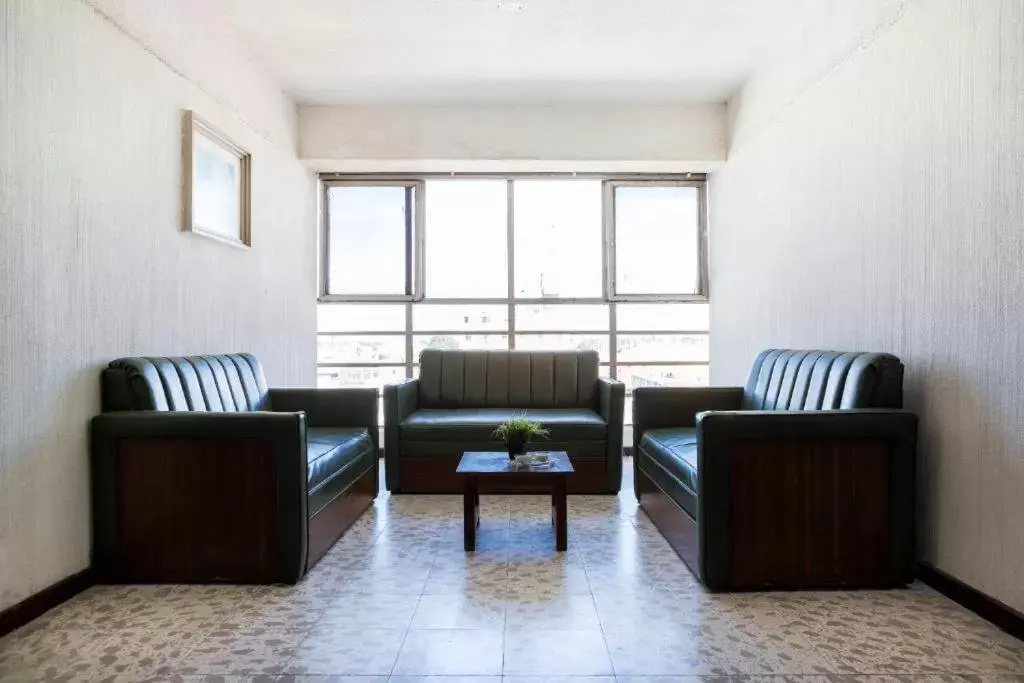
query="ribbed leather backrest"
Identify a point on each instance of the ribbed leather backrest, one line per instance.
(508, 379)
(230, 382)
(786, 379)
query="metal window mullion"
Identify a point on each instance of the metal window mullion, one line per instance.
(510, 260)
(702, 240)
(613, 340)
(408, 340)
(325, 241)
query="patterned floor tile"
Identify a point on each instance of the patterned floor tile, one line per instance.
(353, 652)
(451, 653)
(555, 652)
(397, 596)
(467, 611)
(370, 610)
(551, 611)
(251, 651)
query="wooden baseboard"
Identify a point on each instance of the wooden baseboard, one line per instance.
(38, 604)
(985, 606)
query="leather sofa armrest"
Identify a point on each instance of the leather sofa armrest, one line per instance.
(719, 426)
(611, 395)
(348, 407)
(719, 431)
(400, 401)
(198, 432)
(655, 407)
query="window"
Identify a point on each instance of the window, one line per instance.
(369, 236)
(643, 214)
(557, 227)
(521, 262)
(460, 213)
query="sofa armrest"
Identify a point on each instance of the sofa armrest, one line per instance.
(611, 394)
(655, 407)
(199, 447)
(740, 454)
(786, 424)
(348, 407)
(400, 401)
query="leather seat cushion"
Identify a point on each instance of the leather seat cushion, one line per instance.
(331, 449)
(675, 449)
(477, 424)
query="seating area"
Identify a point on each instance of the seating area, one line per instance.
(804, 478)
(202, 474)
(462, 396)
(511, 341)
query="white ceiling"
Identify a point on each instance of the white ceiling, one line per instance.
(343, 51)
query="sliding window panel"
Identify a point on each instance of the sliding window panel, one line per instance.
(564, 342)
(369, 241)
(459, 317)
(360, 349)
(558, 238)
(657, 240)
(360, 317)
(558, 317)
(464, 342)
(466, 238)
(673, 317)
(366, 377)
(634, 376)
(647, 348)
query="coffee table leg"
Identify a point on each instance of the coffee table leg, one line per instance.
(561, 514)
(470, 513)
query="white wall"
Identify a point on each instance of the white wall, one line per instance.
(92, 260)
(882, 208)
(510, 137)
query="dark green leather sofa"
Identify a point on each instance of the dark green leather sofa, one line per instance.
(201, 473)
(461, 396)
(802, 478)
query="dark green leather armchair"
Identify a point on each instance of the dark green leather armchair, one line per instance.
(802, 478)
(461, 396)
(202, 473)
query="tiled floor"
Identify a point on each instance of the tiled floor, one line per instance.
(397, 597)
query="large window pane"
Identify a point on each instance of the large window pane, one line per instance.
(632, 348)
(561, 317)
(656, 240)
(676, 317)
(634, 376)
(358, 377)
(360, 317)
(360, 349)
(493, 342)
(564, 342)
(466, 238)
(557, 238)
(471, 317)
(368, 240)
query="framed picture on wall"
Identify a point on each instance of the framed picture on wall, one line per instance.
(217, 180)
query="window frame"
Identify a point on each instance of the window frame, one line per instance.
(415, 217)
(608, 213)
(416, 252)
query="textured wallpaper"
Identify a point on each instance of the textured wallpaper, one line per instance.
(92, 260)
(883, 209)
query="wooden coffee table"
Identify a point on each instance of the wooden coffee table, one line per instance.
(476, 466)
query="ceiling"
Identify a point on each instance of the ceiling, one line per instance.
(364, 51)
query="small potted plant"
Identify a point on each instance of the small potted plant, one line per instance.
(518, 432)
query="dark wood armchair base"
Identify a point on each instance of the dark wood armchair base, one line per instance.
(330, 524)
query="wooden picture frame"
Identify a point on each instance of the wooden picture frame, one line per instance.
(216, 184)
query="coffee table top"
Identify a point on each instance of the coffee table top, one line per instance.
(498, 462)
